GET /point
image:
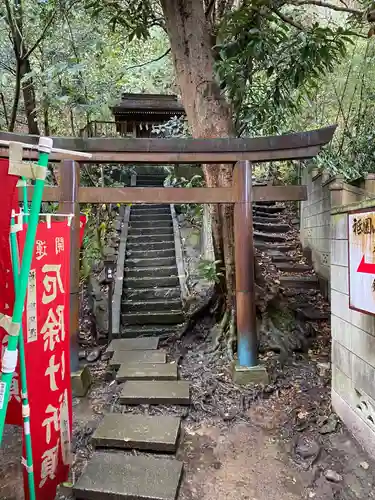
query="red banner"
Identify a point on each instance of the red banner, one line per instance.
(46, 335)
(9, 202)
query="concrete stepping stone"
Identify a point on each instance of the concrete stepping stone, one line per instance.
(147, 371)
(156, 392)
(149, 433)
(115, 476)
(134, 344)
(123, 357)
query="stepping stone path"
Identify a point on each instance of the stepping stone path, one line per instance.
(112, 474)
(151, 307)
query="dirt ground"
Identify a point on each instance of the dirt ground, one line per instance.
(236, 444)
(279, 442)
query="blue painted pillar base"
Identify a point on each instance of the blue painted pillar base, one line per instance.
(244, 375)
(247, 353)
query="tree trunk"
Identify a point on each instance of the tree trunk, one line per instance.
(16, 99)
(207, 111)
(29, 97)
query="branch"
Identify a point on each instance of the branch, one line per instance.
(5, 110)
(327, 5)
(288, 19)
(149, 62)
(210, 6)
(42, 35)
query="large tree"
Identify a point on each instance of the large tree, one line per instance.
(232, 38)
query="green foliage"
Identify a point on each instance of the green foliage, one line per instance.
(210, 270)
(267, 66)
(175, 127)
(81, 66)
(193, 212)
(348, 97)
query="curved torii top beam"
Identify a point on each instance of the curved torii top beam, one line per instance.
(298, 145)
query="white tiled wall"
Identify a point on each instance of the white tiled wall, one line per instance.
(353, 347)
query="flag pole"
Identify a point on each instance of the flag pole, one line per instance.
(10, 356)
(25, 403)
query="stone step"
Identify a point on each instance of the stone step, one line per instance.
(266, 220)
(142, 294)
(281, 258)
(134, 344)
(115, 476)
(150, 272)
(145, 330)
(147, 231)
(151, 305)
(142, 432)
(150, 262)
(157, 392)
(152, 281)
(265, 203)
(150, 237)
(268, 237)
(271, 228)
(131, 357)
(263, 209)
(290, 267)
(161, 253)
(282, 247)
(144, 216)
(305, 282)
(147, 371)
(150, 183)
(152, 317)
(144, 246)
(152, 176)
(150, 207)
(310, 314)
(150, 224)
(265, 215)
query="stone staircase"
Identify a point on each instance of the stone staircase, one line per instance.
(271, 235)
(123, 467)
(151, 302)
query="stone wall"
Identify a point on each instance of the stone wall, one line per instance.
(315, 215)
(323, 194)
(353, 342)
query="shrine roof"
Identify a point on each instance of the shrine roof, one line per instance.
(148, 104)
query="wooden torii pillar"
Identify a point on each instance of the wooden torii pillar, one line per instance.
(241, 152)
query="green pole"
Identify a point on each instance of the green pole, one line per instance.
(25, 201)
(24, 395)
(11, 353)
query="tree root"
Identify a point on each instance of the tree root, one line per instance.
(231, 337)
(197, 314)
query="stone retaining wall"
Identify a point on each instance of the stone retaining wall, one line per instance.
(323, 194)
(353, 342)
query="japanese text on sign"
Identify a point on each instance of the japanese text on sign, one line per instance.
(361, 234)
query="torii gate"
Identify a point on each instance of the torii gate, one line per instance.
(241, 152)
